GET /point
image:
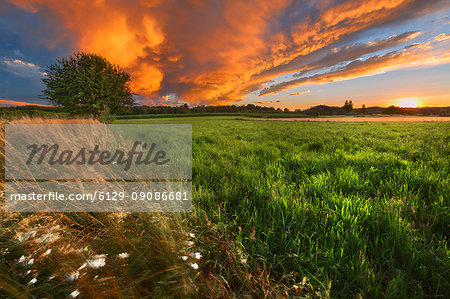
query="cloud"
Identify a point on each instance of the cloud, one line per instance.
(21, 68)
(18, 53)
(330, 56)
(418, 54)
(267, 102)
(18, 103)
(442, 37)
(299, 93)
(213, 52)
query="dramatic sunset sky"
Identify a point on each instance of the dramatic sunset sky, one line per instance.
(279, 53)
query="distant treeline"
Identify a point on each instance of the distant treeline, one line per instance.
(236, 114)
(143, 111)
(332, 110)
(250, 108)
(347, 109)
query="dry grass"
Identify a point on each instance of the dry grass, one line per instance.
(38, 120)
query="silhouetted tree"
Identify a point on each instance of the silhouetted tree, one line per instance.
(348, 106)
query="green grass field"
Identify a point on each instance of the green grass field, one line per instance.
(315, 209)
(356, 208)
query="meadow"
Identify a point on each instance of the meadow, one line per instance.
(281, 209)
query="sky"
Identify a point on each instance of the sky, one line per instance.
(279, 53)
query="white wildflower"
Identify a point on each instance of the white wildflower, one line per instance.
(33, 281)
(74, 294)
(190, 243)
(184, 258)
(55, 227)
(97, 262)
(22, 259)
(71, 277)
(191, 235)
(82, 266)
(26, 236)
(123, 255)
(30, 261)
(194, 266)
(48, 238)
(197, 255)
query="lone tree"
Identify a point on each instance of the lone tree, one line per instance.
(87, 84)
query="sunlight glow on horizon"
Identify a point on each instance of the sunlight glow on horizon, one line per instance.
(411, 102)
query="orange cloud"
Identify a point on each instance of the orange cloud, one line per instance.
(212, 52)
(328, 57)
(442, 37)
(416, 55)
(116, 30)
(299, 93)
(17, 103)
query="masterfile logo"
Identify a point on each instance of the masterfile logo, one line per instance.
(98, 151)
(54, 155)
(98, 167)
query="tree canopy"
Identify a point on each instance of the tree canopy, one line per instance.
(87, 83)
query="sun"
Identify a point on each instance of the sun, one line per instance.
(408, 102)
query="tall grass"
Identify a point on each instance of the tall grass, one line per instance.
(113, 254)
(280, 210)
